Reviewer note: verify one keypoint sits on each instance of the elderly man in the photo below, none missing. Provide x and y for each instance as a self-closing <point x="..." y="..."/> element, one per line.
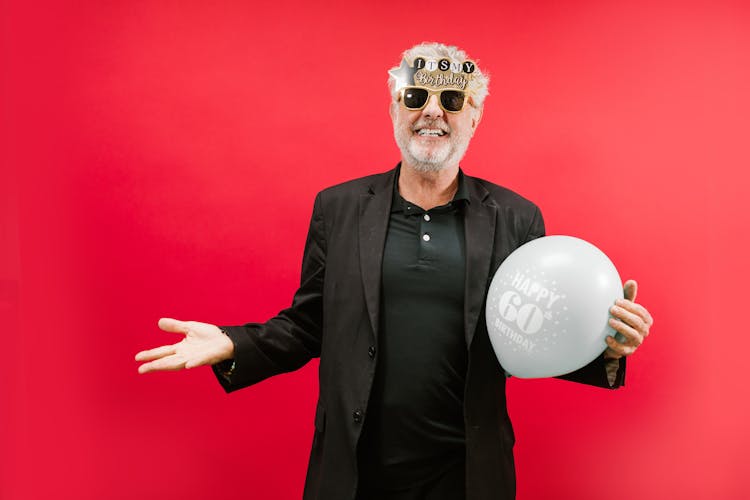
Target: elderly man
<point x="394" y="277"/>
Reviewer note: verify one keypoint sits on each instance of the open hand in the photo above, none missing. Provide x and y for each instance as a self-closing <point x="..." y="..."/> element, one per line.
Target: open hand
<point x="203" y="344"/>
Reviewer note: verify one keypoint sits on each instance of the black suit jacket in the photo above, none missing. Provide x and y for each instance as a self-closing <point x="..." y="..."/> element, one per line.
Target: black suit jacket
<point x="334" y="315"/>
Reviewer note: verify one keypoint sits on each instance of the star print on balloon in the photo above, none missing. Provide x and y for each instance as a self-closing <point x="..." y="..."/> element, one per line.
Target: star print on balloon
<point x="435" y="74"/>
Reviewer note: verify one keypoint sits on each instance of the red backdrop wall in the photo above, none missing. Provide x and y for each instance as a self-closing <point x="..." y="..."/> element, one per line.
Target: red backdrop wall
<point x="161" y="158"/>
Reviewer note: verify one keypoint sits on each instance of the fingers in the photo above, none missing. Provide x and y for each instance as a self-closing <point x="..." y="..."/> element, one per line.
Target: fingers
<point x="631" y="321"/>
<point x="625" y="308"/>
<point x="203" y="344"/>
<point x="631" y="331"/>
<point x="632" y="338"/>
<point x="173" y="360"/>
<point x="617" y="350"/>
<point x="173" y="325"/>
<point x="632" y="315"/>
<point x="630" y="290"/>
<point x="196" y="362"/>
<point x="168" y="363"/>
<point x="164" y="357"/>
<point x="156" y="353"/>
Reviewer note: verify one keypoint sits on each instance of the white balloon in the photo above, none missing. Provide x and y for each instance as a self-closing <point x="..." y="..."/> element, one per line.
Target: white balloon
<point x="548" y="306"/>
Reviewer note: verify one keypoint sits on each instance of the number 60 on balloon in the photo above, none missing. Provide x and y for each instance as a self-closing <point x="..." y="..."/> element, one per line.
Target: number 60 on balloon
<point x="548" y="306"/>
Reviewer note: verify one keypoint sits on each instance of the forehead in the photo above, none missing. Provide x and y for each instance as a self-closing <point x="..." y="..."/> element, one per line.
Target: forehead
<point x="434" y="73"/>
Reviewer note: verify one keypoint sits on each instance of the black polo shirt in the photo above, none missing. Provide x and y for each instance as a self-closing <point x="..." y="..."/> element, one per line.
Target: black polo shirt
<point x="414" y="429"/>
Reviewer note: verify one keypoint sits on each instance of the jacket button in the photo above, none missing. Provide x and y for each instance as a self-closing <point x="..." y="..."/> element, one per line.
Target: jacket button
<point x="371" y="351"/>
<point x="357" y="416"/>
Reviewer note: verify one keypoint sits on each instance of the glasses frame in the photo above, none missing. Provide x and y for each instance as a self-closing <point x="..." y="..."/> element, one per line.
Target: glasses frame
<point x="430" y="93"/>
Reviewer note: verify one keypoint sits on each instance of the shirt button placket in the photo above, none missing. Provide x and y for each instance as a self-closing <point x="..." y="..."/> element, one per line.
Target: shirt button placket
<point x="426" y="236"/>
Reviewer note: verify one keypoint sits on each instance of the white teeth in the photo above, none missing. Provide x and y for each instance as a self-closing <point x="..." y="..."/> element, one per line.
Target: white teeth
<point x="432" y="132"/>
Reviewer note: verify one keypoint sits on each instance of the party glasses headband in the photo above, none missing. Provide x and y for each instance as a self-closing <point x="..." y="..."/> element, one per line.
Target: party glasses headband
<point x="450" y="100"/>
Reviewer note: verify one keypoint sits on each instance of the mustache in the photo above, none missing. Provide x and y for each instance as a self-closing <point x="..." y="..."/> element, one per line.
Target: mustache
<point x="438" y="124"/>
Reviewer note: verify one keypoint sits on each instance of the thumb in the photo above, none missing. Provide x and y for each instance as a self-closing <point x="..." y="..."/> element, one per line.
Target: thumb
<point x="630" y="290"/>
<point x="173" y="325"/>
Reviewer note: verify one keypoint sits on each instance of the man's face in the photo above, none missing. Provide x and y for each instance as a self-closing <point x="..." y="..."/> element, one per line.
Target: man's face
<point x="431" y="138"/>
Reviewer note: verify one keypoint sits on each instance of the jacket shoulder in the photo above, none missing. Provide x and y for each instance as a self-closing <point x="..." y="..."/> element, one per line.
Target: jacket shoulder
<point x="503" y="196"/>
<point x="339" y="199"/>
<point x="359" y="186"/>
<point x="521" y="217"/>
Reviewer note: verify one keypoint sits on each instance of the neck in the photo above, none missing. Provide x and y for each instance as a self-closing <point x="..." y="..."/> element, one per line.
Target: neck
<point x="428" y="189"/>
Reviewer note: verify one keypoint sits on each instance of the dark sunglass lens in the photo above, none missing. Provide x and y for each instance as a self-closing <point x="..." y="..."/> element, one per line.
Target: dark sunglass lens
<point x="415" y="98"/>
<point x="452" y="100"/>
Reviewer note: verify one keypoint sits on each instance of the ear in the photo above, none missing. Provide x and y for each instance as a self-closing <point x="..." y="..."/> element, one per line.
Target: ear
<point x="392" y="109"/>
<point x="476" y="118"/>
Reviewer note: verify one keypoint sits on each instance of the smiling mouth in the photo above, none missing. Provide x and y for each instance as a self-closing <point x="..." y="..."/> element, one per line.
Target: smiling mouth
<point x="430" y="132"/>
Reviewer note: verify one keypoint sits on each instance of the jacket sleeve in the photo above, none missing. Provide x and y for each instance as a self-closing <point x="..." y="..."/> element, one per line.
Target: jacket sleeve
<point x="291" y="338"/>
<point x="536" y="228"/>
<point x="607" y="373"/>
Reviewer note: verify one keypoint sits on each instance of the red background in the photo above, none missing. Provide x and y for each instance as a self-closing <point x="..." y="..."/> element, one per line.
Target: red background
<point x="161" y="158"/>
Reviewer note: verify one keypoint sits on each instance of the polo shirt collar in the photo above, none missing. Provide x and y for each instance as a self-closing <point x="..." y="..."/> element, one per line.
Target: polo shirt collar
<point x="460" y="199"/>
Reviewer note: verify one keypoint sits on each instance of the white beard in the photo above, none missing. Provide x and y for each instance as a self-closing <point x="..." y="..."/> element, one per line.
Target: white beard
<point x="429" y="158"/>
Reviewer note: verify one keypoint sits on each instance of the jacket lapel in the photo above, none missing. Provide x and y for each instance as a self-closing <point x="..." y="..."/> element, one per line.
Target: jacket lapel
<point x="479" y="228"/>
<point x="374" y="212"/>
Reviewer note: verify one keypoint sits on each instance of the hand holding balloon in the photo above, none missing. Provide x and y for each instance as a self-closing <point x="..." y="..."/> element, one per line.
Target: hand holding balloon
<point x="631" y="321"/>
<point x="549" y="305"/>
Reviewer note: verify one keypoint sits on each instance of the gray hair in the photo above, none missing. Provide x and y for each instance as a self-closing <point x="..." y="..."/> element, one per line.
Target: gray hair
<point x="479" y="85"/>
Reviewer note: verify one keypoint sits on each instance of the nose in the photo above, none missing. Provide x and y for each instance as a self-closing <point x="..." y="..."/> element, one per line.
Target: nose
<point x="432" y="109"/>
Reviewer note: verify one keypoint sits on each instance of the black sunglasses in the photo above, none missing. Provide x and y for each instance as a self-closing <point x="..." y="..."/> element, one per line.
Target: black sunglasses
<point x="415" y="98"/>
